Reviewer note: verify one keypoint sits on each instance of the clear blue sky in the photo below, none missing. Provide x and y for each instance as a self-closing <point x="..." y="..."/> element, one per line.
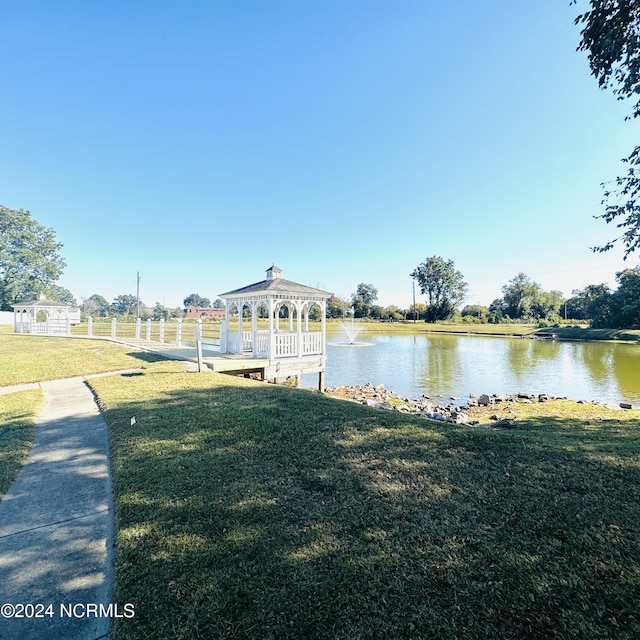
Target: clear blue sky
<point x="344" y="140"/>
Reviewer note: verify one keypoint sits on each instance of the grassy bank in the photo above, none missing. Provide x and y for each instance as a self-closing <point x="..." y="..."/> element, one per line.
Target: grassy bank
<point x="252" y="511"/>
<point x="39" y="358"/>
<point x="516" y="329"/>
<point x="424" y="327"/>
<point x="18" y="412"/>
<point x="580" y="333"/>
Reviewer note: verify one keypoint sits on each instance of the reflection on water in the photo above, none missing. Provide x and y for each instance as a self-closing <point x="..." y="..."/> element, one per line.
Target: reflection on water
<point x="441" y="366"/>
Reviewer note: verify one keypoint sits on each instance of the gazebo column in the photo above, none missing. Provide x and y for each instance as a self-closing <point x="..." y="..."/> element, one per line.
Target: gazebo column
<point x="271" y="351"/>
<point x="323" y="327"/>
<point x="254" y="328"/>
<point x="240" y="314"/>
<point x="299" y="323"/>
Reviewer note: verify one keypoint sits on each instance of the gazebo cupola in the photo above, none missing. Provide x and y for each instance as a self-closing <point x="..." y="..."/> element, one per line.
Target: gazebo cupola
<point x="274" y="272"/>
<point x="270" y="319"/>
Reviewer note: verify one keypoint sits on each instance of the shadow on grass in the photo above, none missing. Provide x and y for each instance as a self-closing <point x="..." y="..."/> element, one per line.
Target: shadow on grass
<point x="260" y="512"/>
<point x="146" y="356"/>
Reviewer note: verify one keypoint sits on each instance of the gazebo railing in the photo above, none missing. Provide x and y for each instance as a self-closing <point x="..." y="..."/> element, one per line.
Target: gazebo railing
<point x="261" y="347"/>
<point x="312" y="343"/>
<point x="285" y="344"/>
<point x="48" y="327"/>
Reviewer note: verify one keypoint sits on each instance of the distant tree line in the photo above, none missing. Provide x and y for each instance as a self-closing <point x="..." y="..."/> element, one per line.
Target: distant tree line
<point x="30" y="264"/>
<point x="523" y="300"/>
<point x="127" y="306"/>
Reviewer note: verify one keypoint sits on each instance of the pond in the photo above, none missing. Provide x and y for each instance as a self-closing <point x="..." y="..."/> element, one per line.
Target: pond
<point x="441" y="366"/>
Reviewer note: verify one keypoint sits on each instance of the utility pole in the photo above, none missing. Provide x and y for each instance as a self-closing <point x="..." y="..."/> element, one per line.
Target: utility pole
<point x="138" y="295"/>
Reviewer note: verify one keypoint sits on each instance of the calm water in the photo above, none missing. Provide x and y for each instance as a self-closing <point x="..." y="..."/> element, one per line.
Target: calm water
<point x="441" y="366"/>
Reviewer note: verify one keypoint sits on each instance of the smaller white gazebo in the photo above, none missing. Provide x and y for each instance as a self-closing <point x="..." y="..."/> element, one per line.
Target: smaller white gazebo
<point x="43" y="316"/>
<point x="287" y="342"/>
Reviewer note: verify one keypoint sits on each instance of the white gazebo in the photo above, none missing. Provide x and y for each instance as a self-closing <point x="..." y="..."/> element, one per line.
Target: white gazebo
<point x="44" y="317"/>
<point x="287" y="343"/>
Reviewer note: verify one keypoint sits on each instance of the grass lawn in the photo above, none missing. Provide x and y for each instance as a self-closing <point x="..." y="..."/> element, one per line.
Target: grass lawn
<point x="18" y="412"/>
<point x="37" y="358"/>
<point x="246" y="510"/>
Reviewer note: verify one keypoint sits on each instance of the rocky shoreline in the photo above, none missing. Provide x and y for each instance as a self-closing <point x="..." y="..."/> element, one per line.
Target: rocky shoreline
<point x="381" y="398"/>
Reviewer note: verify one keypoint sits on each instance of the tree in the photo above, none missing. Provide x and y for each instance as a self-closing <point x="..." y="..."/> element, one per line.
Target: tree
<point x="497" y="311"/>
<point x="594" y="303"/>
<point x="336" y="307"/>
<point x="60" y="294"/>
<point x="393" y="313"/>
<point x="443" y="285"/>
<point x="611" y="37"/>
<point x="126" y="305"/>
<point x="376" y="311"/>
<point x="363" y="299"/>
<point x="30" y="262"/>
<point x="521" y="295"/>
<point x="160" y="312"/>
<point x="197" y="301"/>
<point x="575" y="307"/>
<point x="416" y="311"/>
<point x="95" y="305"/>
<point x="548" y="305"/>
<point x="475" y="312"/>
<point x="626" y="299"/>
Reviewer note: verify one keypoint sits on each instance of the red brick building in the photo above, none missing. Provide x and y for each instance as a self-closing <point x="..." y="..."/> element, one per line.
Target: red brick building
<point x="193" y="311"/>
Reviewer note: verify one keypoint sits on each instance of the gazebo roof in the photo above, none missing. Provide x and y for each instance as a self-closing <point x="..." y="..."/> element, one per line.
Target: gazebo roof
<point x="277" y="285"/>
<point x="42" y="302"/>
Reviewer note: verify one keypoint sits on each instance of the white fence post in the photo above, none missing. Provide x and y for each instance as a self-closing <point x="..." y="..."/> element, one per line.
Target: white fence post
<point x="197" y="336"/>
<point x="179" y="332"/>
<point x="90" y="326"/>
<point x="161" y="329"/>
<point x="137" y="328"/>
<point x="223" y="337"/>
<point x="113" y="327"/>
<point x="148" y="328"/>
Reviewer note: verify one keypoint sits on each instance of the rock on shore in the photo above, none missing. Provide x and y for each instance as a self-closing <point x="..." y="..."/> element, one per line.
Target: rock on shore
<point x="380" y="397"/>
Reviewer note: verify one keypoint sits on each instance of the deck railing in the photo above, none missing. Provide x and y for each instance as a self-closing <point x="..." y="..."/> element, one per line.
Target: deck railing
<point x="286" y="344"/>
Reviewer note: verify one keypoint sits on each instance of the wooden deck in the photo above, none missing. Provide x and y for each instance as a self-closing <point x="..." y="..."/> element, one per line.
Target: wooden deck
<point x="237" y="364"/>
<point x="230" y="363"/>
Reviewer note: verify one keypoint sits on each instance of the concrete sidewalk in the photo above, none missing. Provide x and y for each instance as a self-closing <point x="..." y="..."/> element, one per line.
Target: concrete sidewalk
<point x="56" y="525"/>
